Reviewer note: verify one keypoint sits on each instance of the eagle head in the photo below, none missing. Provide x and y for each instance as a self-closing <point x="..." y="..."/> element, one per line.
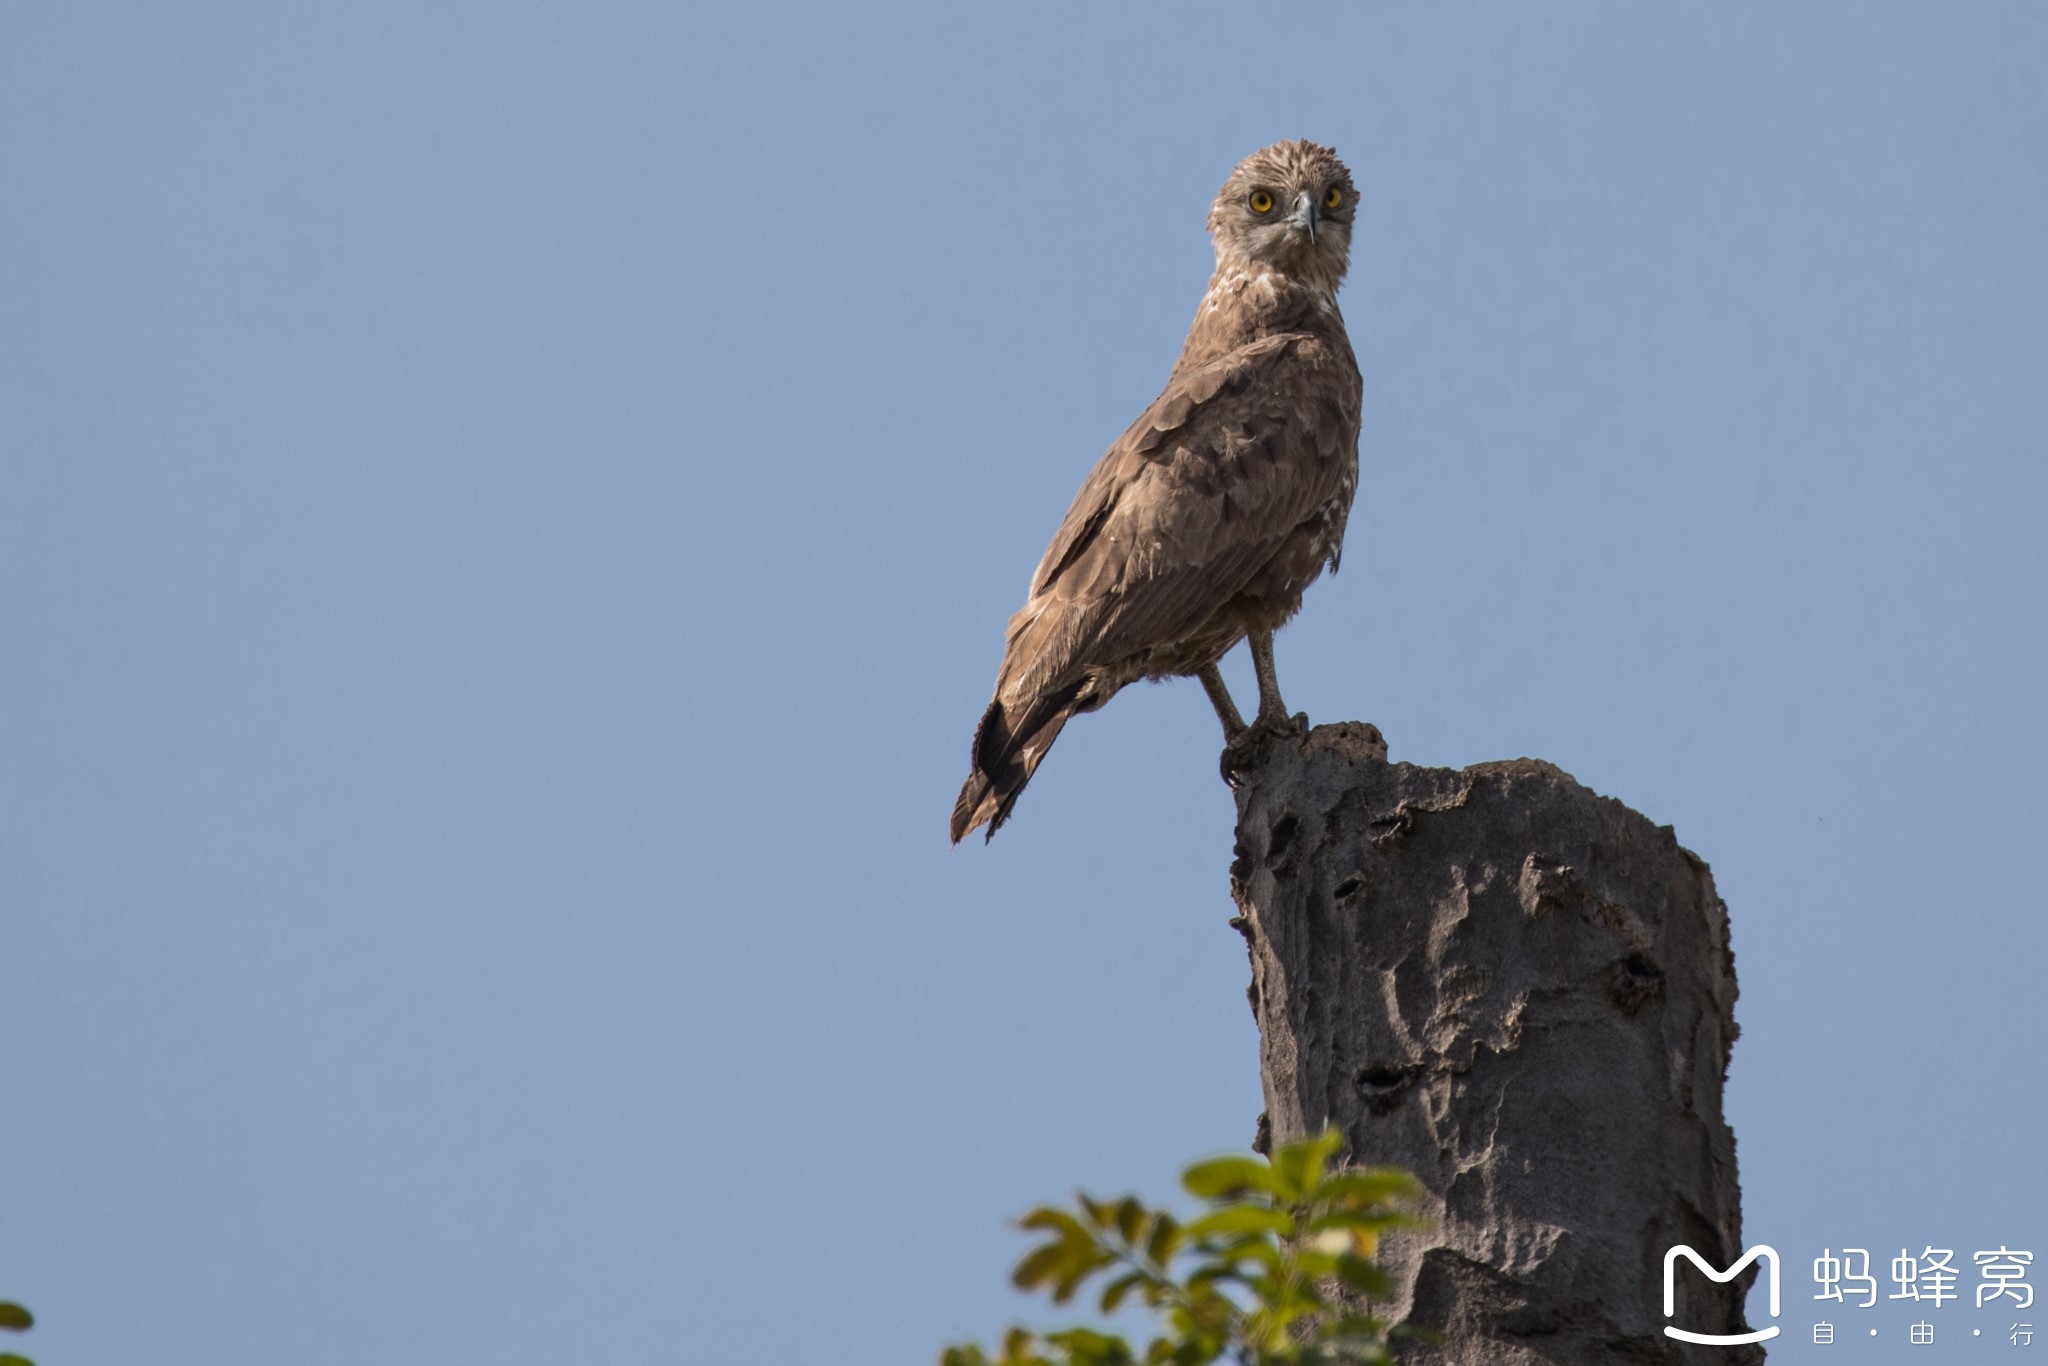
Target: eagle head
<point x="1287" y="207"/>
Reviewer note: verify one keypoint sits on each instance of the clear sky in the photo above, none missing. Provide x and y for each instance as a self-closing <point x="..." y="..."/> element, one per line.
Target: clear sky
<point x="507" y="514"/>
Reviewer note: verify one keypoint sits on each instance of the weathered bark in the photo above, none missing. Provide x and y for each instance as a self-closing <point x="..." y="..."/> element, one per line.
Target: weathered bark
<point x="1523" y="993"/>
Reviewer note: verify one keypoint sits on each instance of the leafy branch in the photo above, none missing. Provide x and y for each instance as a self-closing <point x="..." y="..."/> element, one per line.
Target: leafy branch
<point x="1260" y="1278"/>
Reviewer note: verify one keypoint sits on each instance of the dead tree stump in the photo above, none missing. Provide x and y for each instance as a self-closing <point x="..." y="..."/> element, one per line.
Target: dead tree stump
<point x="1523" y="993"/>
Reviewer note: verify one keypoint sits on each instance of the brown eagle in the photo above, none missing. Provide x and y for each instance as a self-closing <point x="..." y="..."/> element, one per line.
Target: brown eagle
<point x="1208" y="518"/>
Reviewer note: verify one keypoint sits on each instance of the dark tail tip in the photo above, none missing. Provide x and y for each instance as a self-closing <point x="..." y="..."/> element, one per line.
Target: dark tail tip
<point x="979" y="800"/>
<point x="1006" y="755"/>
<point x="965" y="806"/>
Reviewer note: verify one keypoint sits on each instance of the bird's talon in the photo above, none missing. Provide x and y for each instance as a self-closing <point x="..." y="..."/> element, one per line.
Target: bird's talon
<point x="1244" y="750"/>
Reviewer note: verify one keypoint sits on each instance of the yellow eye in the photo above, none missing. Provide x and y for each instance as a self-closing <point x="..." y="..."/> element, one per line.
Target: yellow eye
<point x="1334" y="199"/>
<point x="1261" y="202"/>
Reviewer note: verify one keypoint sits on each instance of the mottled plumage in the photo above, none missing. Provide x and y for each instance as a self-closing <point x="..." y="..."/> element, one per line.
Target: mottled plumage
<point x="1208" y="518"/>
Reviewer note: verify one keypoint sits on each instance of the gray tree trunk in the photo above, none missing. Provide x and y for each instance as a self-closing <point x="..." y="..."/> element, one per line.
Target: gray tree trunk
<point x="1523" y="993"/>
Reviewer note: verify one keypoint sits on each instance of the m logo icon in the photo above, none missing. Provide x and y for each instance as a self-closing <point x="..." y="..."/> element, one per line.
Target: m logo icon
<point x="1770" y="1257"/>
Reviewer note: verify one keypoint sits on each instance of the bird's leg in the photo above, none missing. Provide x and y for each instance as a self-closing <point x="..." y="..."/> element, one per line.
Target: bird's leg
<point x="1242" y="747"/>
<point x="1272" y="711"/>
<point x="1219" y="698"/>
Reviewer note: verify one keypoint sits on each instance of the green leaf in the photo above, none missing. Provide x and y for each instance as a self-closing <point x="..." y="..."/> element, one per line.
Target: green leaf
<point x="1369" y="1186"/>
<point x="1238" y="1219"/>
<point x="1099" y="1214"/>
<point x="13" y="1316"/>
<point x="1248" y="1247"/>
<point x="1361" y="1275"/>
<point x="1298" y="1166"/>
<point x="1113" y="1294"/>
<point x="1039" y="1266"/>
<point x="1130" y="1218"/>
<point x="1082" y="1263"/>
<point x="1087" y="1345"/>
<point x="1354" y="1326"/>
<point x="1227" y="1178"/>
<point x="1355" y="1221"/>
<point x="10" y="1359"/>
<point x="1203" y="1280"/>
<point x="1058" y="1221"/>
<point x="1165" y="1239"/>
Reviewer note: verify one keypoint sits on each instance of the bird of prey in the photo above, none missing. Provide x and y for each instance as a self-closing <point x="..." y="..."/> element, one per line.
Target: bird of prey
<point x="1211" y="515"/>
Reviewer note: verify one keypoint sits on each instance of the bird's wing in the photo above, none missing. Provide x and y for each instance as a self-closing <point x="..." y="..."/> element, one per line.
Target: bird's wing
<point x="1192" y="500"/>
<point x="1124" y="463"/>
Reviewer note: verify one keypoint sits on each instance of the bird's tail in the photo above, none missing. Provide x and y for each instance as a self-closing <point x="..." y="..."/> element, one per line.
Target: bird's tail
<point x="1006" y="753"/>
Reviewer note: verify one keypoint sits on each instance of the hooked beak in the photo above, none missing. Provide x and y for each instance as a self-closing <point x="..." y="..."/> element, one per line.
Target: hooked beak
<point x="1304" y="215"/>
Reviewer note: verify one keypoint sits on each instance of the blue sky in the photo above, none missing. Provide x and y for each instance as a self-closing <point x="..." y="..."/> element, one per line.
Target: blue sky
<point x="506" y="519"/>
